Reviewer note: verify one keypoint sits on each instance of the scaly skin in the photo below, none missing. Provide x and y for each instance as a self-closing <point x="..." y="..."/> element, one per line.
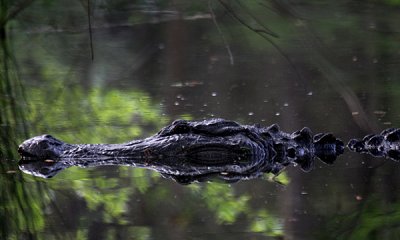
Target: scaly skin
<point x="190" y="151"/>
<point x="386" y="144"/>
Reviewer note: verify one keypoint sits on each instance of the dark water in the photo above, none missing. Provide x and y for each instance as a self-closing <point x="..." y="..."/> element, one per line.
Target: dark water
<point x="334" y="67"/>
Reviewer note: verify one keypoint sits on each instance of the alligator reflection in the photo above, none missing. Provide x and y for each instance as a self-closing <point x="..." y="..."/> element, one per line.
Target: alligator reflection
<point x="188" y="151"/>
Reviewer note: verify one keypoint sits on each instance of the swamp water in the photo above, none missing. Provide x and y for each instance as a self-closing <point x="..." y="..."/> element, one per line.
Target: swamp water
<point x="331" y="66"/>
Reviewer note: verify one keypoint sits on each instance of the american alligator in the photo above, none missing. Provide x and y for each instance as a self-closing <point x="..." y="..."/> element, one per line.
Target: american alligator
<point x="190" y="151"/>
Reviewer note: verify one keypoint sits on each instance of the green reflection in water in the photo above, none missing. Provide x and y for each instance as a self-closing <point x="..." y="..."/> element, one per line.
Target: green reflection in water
<point x="267" y="224"/>
<point x="94" y="116"/>
<point x="13" y="126"/>
<point x="373" y="220"/>
<point x="222" y="201"/>
<point x="21" y="207"/>
<point x="228" y="206"/>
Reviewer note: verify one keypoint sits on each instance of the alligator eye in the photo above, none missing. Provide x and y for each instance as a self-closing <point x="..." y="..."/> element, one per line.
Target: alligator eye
<point x="181" y="129"/>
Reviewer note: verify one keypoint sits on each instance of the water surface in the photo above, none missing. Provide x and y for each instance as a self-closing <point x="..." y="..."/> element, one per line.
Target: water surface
<point x="332" y="66"/>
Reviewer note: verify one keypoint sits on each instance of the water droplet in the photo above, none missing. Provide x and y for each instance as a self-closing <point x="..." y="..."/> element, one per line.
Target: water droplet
<point x="251" y="113"/>
<point x="176" y="104"/>
<point x="277" y="114"/>
<point x="378" y="112"/>
<point x="177" y="85"/>
<point x="310" y="93"/>
<point x="355" y="58"/>
<point x="372" y="25"/>
<point x="214" y="94"/>
<point x="286" y="104"/>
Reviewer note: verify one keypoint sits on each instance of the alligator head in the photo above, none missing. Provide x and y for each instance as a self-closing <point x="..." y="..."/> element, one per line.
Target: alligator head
<point x="41" y="147"/>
